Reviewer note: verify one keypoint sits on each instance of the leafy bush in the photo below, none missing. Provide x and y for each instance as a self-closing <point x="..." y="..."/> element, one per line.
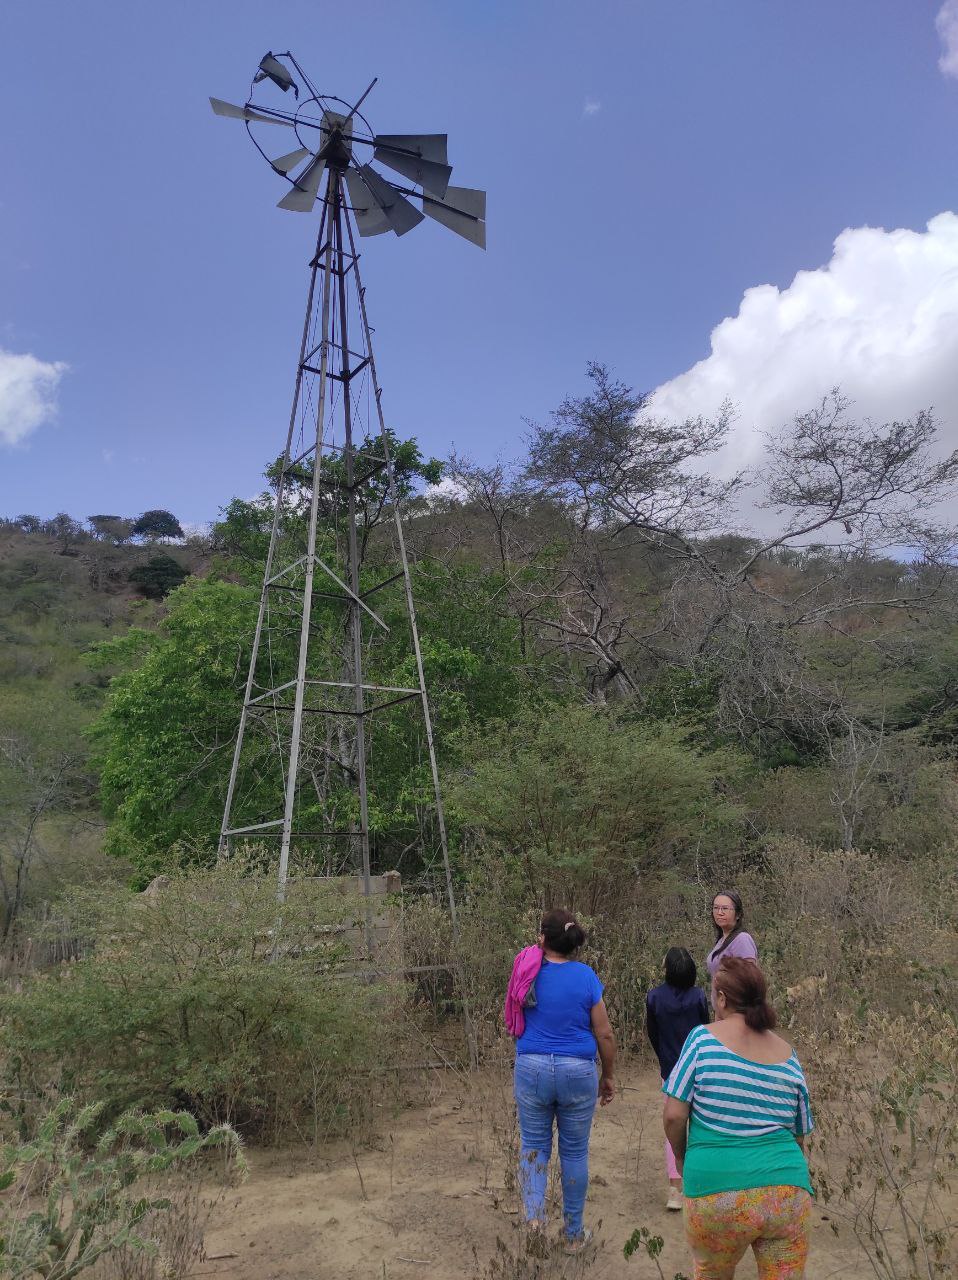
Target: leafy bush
<point x="198" y="995"/>
<point x="73" y="1197"/>
<point x="572" y="804"/>
<point x="158" y="577"/>
<point x="176" y="688"/>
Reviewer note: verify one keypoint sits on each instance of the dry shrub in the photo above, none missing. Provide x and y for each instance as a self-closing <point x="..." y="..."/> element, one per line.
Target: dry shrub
<point x="200" y="997"/>
<point x="872" y="934"/>
<point x="178" y="1232"/>
<point x="477" y="970"/>
<point x="531" y="1256"/>
<point x="884" y="1155"/>
<point x="839" y="930"/>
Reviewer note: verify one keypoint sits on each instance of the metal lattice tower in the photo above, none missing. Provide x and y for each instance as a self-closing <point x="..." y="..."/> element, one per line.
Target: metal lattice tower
<point x="301" y="771"/>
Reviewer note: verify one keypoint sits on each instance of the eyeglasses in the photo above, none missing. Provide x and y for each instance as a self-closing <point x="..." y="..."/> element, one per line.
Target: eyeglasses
<point x="722" y="910"/>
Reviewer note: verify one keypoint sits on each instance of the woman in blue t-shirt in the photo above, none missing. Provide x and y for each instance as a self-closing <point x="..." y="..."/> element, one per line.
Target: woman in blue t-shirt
<point x="556" y="1080"/>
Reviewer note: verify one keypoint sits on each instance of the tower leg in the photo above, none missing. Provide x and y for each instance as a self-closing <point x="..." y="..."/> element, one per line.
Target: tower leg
<point x="271" y="553"/>
<point x="299" y="697"/>
<point x="355" y="616"/>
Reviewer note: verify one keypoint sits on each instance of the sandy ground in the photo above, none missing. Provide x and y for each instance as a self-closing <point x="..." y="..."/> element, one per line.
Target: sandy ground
<point x="433" y="1198"/>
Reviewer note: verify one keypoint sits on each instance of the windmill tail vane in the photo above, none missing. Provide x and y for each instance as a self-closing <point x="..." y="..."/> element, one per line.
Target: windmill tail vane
<point x="333" y="135"/>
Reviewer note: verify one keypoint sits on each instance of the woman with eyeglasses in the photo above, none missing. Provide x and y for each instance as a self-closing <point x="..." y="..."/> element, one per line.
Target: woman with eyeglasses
<point x="731" y="939"/>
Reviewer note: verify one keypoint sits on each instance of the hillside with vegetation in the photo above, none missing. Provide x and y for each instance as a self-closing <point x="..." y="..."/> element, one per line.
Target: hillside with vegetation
<point x="65" y="587"/>
<point x="808" y="679"/>
<point x="635" y="704"/>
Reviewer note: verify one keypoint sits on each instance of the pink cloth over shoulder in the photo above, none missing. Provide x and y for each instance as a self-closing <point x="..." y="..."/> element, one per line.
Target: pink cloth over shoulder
<point x="524" y="969"/>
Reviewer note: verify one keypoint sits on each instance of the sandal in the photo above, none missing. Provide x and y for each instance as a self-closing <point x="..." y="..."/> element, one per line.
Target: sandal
<point x="580" y="1242"/>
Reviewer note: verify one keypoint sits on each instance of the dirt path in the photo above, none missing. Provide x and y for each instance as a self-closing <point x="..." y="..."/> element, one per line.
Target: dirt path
<point x="432" y="1197"/>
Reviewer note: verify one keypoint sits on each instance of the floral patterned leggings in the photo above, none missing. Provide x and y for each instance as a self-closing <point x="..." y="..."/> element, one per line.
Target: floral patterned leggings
<point x="773" y="1220"/>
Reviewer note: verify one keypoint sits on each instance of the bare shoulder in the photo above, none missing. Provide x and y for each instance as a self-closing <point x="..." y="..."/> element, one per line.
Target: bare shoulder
<point x="777" y="1044"/>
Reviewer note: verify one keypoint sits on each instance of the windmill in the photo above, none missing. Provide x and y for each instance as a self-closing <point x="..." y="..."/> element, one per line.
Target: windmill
<point x="320" y="614"/>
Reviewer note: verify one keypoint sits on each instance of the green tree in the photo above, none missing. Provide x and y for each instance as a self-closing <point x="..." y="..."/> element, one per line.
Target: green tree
<point x="66" y="530"/>
<point x="243" y="532"/>
<point x="157" y="524"/>
<point x="115" y="529"/>
<point x="43" y="770"/>
<point x="166" y="734"/>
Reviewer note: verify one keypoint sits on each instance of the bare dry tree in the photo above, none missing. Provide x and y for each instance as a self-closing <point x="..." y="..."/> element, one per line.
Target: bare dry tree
<point x="855" y="751"/>
<point x="640" y="565"/>
<point x="33" y="783"/>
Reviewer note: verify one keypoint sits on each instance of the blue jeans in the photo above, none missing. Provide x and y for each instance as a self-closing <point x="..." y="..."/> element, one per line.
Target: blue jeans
<point x="551" y="1087"/>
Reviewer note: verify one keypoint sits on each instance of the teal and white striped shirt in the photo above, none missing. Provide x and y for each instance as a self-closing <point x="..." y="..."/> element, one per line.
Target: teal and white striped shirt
<point x="735" y="1096"/>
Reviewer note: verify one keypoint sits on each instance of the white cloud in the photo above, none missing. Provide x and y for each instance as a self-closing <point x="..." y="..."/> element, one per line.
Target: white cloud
<point x="28" y="391"/>
<point x="947" y="24"/>
<point x="591" y="107"/>
<point x="879" y="320"/>
<point x="446" y="488"/>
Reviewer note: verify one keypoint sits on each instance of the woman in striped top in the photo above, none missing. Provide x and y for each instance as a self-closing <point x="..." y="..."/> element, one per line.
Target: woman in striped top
<point x="736" y="1115"/>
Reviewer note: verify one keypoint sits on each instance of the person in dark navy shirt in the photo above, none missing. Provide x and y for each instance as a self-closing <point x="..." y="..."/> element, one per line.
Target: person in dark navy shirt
<point x="672" y="1010"/>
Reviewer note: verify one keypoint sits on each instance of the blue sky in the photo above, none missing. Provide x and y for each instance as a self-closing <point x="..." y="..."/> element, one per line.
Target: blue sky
<point x="726" y="145"/>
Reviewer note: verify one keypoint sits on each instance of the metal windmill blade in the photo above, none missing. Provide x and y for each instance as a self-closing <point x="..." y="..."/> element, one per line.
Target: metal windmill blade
<point x="463" y="210"/>
<point x="286" y="164"/>
<point x="395" y="208"/>
<point x="370" y="219"/>
<point x="302" y="196"/>
<point x="430" y="146"/>
<point x="416" y="157"/>
<point x="228" y="109"/>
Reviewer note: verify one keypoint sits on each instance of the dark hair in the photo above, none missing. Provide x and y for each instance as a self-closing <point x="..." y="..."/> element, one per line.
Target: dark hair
<point x="743" y="985"/>
<point x="739" y="917"/>
<point x="680" y="968"/>
<point x="562" y="931"/>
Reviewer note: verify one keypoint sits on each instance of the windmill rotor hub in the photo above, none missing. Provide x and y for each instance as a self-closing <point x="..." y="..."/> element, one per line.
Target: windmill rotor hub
<point x="336" y="151"/>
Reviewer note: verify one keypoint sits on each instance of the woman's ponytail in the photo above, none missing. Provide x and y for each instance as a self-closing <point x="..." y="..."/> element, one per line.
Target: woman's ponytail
<point x="746" y="992"/>
<point x="562" y="932"/>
